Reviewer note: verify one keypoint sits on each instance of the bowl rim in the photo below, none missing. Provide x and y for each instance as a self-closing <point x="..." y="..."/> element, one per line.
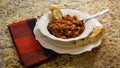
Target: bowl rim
<point x="60" y="39"/>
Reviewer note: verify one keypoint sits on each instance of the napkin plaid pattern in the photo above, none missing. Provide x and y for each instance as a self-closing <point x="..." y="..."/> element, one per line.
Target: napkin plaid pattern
<point x="30" y="50"/>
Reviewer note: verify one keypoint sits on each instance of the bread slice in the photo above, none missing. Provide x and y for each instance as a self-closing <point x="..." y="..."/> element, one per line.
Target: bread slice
<point x="94" y="36"/>
<point x="56" y="12"/>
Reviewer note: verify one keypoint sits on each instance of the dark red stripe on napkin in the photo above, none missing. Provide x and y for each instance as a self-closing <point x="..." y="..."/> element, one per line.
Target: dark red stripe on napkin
<point x="29" y="49"/>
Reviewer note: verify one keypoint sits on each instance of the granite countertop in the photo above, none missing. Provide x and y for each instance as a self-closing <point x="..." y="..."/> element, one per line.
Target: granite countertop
<point x="107" y="55"/>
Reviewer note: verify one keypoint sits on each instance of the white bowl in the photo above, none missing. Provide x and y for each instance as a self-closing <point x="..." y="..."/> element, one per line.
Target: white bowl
<point x="46" y="18"/>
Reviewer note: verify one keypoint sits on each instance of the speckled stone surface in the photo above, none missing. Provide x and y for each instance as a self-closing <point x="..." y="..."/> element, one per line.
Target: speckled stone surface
<point x="107" y="55"/>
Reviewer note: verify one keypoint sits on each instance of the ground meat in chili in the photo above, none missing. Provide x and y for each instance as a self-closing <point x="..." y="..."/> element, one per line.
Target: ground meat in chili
<point x="66" y="27"/>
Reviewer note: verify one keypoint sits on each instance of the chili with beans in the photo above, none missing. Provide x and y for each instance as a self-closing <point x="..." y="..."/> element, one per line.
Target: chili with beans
<point x="66" y="27"/>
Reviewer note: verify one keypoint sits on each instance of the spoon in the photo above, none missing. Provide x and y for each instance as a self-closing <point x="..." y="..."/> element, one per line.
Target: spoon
<point x="97" y="14"/>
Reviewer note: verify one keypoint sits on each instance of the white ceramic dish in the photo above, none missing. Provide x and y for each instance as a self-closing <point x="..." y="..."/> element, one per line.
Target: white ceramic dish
<point x="45" y="19"/>
<point x="65" y="47"/>
<point x="62" y="48"/>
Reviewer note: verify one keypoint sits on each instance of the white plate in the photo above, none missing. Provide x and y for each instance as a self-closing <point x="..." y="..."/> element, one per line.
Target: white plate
<point x="65" y="48"/>
<point x="49" y="44"/>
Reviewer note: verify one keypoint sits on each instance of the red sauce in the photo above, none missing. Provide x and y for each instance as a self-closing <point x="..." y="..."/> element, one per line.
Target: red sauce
<point x="66" y="27"/>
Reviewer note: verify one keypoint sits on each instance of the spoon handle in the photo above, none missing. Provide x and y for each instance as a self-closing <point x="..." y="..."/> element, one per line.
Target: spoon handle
<point x="97" y="14"/>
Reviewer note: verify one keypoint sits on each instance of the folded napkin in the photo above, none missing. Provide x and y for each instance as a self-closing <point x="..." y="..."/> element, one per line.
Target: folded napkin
<point x="29" y="49"/>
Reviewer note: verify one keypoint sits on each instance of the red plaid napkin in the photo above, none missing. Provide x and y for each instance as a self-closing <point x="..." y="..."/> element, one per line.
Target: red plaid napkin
<point x="30" y="51"/>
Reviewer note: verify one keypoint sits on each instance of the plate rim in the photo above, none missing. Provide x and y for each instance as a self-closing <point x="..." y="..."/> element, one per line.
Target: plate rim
<point x="62" y="50"/>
